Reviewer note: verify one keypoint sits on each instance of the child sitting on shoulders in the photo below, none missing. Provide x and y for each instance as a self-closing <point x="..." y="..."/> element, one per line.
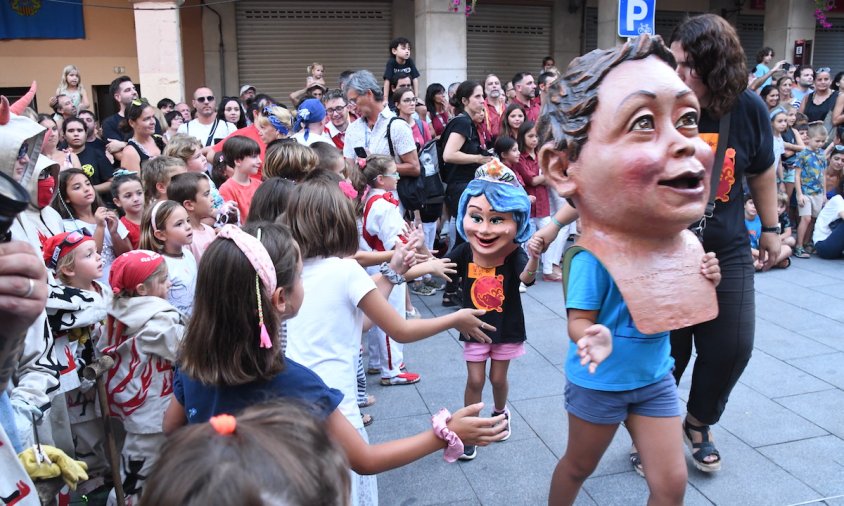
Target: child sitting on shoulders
<point x="193" y="191"/>
<point x="400" y="64"/>
<point x="143" y="336"/>
<point x="76" y="312"/>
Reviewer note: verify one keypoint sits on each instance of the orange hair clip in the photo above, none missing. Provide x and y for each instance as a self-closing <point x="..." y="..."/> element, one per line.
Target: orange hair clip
<point x="224" y="424"/>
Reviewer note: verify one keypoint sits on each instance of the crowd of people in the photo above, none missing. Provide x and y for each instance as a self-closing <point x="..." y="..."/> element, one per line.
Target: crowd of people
<point x="240" y="250"/>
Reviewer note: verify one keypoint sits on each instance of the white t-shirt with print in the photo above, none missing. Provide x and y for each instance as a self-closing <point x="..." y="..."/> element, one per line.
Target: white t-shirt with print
<point x="196" y="129"/>
<point x="325" y="335"/>
<point x="182" y="274"/>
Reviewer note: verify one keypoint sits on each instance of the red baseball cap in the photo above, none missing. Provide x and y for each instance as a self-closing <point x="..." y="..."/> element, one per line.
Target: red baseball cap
<point x="132" y="268"/>
<point x="56" y="247"/>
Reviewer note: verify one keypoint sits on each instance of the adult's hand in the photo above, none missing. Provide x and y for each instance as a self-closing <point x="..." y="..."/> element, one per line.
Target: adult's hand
<point x="769" y="249"/>
<point x="23" y="287"/>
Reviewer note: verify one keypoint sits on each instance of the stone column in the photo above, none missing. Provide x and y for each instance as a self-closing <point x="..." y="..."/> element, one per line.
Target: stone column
<point x="785" y="22"/>
<point x="440" y="50"/>
<point x="159" y="43"/>
<point x="608" y="24"/>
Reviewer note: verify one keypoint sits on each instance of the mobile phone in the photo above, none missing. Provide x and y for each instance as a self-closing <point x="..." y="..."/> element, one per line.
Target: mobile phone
<point x="786" y="66"/>
<point x="360" y="152"/>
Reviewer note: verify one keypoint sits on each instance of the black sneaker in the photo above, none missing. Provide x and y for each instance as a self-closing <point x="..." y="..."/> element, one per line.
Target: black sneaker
<point x="469" y="452"/>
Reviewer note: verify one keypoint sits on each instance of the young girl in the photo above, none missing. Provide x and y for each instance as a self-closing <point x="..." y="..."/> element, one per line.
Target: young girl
<point x="507" y="151"/>
<point x="315" y="74"/>
<point x="540" y="209"/>
<point x="493" y="216"/>
<point x="128" y="195"/>
<point x="382" y="229"/>
<point x="143" y="335"/>
<point x="322" y="220"/>
<point x="793" y="144"/>
<point x="166" y="229"/>
<point x="511" y="120"/>
<point x="76" y="312"/>
<point x="268" y="446"/>
<point x="81" y="209"/>
<point x="193" y="191"/>
<point x="71" y="85"/>
<point x="229" y="358"/>
<point x="779" y="125"/>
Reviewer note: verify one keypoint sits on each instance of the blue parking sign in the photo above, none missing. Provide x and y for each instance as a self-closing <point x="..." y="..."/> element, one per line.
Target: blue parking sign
<point x="636" y="17"/>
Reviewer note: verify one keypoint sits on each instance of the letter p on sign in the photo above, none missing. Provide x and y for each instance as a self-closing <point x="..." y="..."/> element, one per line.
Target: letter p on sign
<point x="635" y="17"/>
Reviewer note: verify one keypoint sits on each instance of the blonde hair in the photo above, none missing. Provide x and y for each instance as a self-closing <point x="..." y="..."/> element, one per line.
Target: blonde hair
<point x="817" y="129"/>
<point x="156" y="171"/>
<point x="310" y="68"/>
<point x="162" y="214"/>
<point x="284" y="116"/>
<point x="63" y="263"/>
<point x="288" y="159"/>
<point x="63" y="84"/>
<point x="182" y="146"/>
<point x="377" y="165"/>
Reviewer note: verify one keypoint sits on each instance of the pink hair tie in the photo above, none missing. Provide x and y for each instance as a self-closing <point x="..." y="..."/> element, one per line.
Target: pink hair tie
<point x="260" y="260"/>
<point x="225" y="425"/>
<point x="348" y="189"/>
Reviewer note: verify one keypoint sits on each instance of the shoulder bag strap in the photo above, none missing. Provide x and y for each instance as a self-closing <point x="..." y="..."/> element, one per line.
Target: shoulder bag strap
<point x="211" y="134"/>
<point x="715" y="178"/>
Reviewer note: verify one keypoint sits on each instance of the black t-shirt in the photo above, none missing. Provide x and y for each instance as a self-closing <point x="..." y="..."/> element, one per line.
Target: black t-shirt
<point x="95" y="165"/>
<point x="494" y="290"/>
<point x="818" y="112"/>
<point x="463" y="125"/>
<point x="111" y="128"/>
<point x="749" y="152"/>
<point x="395" y="69"/>
<point x="97" y="144"/>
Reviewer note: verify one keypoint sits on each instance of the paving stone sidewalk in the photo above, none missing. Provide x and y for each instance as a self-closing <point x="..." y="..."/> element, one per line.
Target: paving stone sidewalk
<point x="781" y="437"/>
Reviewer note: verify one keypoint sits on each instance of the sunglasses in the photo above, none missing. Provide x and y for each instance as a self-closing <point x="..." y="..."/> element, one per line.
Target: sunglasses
<point x="22" y="152"/>
<point x="71" y="239"/>
<point x="825" y="69"/>
<point x="839" y="148"/>
<point x="203" y="100"/>
<point x="137" y="102"/>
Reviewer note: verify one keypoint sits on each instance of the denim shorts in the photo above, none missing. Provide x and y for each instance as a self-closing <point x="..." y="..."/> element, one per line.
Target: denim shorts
<point x="657" y="400"/>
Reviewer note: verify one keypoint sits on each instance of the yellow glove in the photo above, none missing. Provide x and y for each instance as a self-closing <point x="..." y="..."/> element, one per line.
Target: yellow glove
<point x="72" y="471"/>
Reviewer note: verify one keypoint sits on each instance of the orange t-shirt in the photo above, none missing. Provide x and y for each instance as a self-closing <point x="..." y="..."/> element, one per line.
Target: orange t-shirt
<point x="240" y="194"/>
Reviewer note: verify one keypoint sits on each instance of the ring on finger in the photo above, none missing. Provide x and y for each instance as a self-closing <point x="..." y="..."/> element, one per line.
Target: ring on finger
<point x="31" y="288"/>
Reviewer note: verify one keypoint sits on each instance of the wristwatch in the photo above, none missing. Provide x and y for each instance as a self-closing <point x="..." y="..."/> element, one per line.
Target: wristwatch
<point x="772" y="230"/>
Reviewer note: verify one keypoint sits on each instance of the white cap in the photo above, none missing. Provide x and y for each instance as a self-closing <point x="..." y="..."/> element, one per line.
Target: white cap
<point x="245" y="88"/>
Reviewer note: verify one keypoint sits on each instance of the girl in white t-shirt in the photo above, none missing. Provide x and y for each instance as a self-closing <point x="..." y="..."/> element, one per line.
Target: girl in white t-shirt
<point x="325" y="336"/>
<point x="81" y="209"/>
<point x="166" y="230"/>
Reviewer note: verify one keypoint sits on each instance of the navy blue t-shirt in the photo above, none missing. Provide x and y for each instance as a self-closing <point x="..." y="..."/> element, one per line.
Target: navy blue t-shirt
<point x="296" y="381"/>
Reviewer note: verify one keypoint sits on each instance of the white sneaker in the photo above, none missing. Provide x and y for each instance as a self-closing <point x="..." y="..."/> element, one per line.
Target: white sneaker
<point x="522" y="287"/>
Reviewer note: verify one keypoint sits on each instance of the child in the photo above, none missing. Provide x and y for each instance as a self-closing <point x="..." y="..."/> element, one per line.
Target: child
<point x="242" y="153"/>
<point x="753" y="224"/>
<point x="809" y="186"/>
<point x="322" y="220"/>
<point x="268" y="446"/>
<point x="793" y="144"/>
<point x="143" y="335"/>
<point x="511" y="120"/>
<point x="506" y="149"/>
<point x="71" y="85"/>
<point x="315" y="72"/>
<point x="167" y="230"/>
<point x="779" y="125"/>
<point x="835" y="172"/>
<point x="290" y="160"/>
<point x="270" y="200"/>
<point x="540" y="209"/>
<point x="128" y="195"/>
<point x="493" y="216"/>
<point x="382" y="229"/>
<point x="329" y="157"/>
<point x="156" y="174"/>
<point x="76" y="312"/>
<point x="400" y="64"/>
<point x="786" y="236"/>
<point x="229" y="359"/>
<point x="79" y="205"/>
<point x="193" y="191"/>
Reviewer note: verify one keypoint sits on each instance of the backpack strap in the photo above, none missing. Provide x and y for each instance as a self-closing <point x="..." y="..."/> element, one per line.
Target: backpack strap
<point x="566" y="267"/>
<point x="390" y="136"/>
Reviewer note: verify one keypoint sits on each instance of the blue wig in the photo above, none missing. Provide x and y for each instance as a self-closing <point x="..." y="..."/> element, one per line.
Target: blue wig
<point x="503" y="198"/>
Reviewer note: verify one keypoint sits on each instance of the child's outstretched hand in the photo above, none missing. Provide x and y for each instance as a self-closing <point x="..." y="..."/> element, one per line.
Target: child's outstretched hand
<point x="473" y="430"/>
<point x="469" y="324"/>
<point x="535" y="246"/>
<point x="442" y="267"/>
<point x="595" y="346"/>
<point x="710" y="269"/>
<point x="402" y="259"/>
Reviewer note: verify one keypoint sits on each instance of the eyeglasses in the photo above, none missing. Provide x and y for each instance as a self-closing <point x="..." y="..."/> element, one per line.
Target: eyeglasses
<point x="409" y="100"/>
<point x="23" y="151"/>
<point x="202" y="100"/>
<point x="394" y="175"/>
<point x="72" y="238"/>
<point x="336" y="110"/>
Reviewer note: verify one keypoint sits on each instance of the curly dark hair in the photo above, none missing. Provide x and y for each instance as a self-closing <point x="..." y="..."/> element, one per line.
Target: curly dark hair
<point x="572" y="98"/>
<point x="714" y="51"/>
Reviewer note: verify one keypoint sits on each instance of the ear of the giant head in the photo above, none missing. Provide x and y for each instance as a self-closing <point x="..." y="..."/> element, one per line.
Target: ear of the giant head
<point x="555" y="165"/>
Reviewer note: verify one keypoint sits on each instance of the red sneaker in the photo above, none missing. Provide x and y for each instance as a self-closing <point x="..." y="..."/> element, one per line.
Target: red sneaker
<point x="405" y="378"/>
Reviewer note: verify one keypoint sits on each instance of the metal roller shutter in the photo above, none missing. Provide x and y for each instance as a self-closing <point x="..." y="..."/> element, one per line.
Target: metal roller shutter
<point x="506" y="39"/>
<point x="829" y="47"/>
<point x="277" y="40"/>
<point x="751" y="32"/>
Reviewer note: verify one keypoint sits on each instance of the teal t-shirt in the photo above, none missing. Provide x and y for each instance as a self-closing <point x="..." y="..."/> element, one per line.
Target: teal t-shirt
<point x="637" y="359"/>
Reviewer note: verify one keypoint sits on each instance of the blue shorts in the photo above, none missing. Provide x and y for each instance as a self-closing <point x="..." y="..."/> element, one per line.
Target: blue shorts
<point x="658" y="400"/>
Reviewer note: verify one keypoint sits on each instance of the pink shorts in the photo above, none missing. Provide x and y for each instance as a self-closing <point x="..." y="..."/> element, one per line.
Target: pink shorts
<point x="479" y="352"/>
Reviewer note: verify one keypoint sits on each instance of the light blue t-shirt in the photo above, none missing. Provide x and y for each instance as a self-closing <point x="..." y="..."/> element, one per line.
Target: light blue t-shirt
<point x="637" y="359"/>
<point x="754" y="230"/>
